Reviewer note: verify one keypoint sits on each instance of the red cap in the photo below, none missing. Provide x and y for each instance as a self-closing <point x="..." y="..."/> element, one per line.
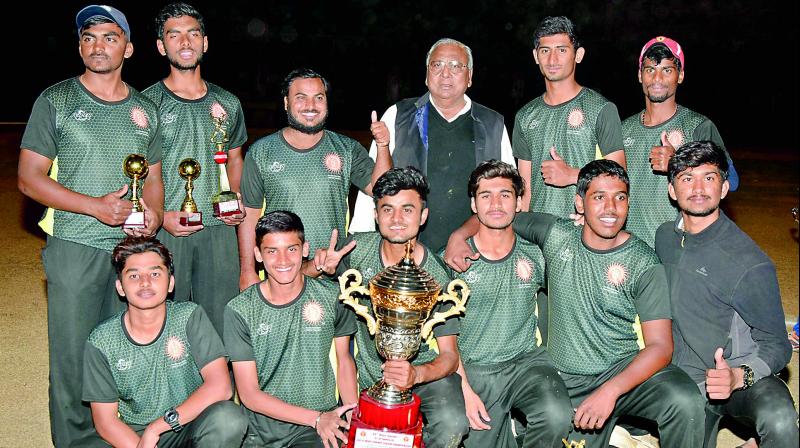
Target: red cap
<point x="673" y="46"/>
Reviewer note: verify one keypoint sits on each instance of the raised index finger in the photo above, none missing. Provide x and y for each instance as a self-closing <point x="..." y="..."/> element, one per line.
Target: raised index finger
<point x="334" y="239"/>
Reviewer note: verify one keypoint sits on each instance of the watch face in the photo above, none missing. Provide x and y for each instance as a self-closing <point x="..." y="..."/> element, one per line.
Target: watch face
<point x="171" y="416"/>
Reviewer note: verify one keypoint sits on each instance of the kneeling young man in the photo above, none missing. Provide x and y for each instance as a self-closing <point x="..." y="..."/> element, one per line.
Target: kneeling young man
<point x="600" y="280"/>
<point x="502" y="367"/>
<point x="279" y="334"/>
<point x="156" y="373"/>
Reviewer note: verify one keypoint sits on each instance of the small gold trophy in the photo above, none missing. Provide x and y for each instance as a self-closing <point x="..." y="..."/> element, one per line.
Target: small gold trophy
<point x="225" y="203"/>
<point x="135" y="166"/>
<point x="189" y="170"/>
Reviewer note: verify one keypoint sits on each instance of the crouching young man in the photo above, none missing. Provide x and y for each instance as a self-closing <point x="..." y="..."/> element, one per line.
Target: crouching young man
<point x="156" y="373"/>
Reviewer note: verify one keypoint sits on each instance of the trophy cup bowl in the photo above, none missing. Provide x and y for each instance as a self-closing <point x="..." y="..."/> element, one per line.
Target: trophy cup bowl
<point x="402" y="298"/>
<point x="135" y="166"/>
<point x="189" y="170"/>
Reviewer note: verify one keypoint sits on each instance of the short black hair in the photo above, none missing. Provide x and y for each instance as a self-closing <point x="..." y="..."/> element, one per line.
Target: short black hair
<point x="301" y="73"/>
<point x="556" y="25"/>
<point x="489" y="169"/>
<point x="398" y="179"/>
<point x="597" y="168"/>
<point x="279" y="221"/>
<point x="659" y="51"/>
<point x="133" y="245"/>
<point x="694" y="154"/>
<point x="174" y="10"/>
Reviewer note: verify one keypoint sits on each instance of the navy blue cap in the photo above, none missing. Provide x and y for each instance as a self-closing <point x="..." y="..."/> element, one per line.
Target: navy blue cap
<point x="113" y="14"/>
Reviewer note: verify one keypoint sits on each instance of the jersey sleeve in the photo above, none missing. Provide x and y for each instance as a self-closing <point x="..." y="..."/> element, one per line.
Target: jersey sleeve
<point x="237" y="337"/>
<point x="707" y="130"/>
<point x="99" y="385"/>
<point x="609" y="130"/>
<point x="361" y="173"/>
<point x="533" y="226"/>
<point x="519" y="144"/>
<point x="652" y="294"/>
<point x="345" y="322"/>
<point x="40" y="132"/>
<point x="203" y="338"/>
<point x="239" y="130"/>
<point x="252" y="187"/>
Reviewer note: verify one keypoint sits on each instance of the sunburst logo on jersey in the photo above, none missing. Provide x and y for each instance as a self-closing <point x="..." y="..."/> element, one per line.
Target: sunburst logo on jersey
<point x="175" y="348"/>
<point x="524" y="269"/>
<point x="616" y="274"/>
<point x="139" y="117"/>
<point x="333" y="163"/>
<point x="675" y="137"/>
<point x="575" y="118"/>
<point x="218" y="112"/>
<point x="313" y="312"/>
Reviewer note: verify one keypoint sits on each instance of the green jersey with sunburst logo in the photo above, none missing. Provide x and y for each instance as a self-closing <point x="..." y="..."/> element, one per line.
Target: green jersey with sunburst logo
<point x="148" y="379"/>
<point x="186" y="128"/>
<point x="313" y="183"/>
<point x="580" y="130"/>
<point x="595" y="296"/>
<point x="500" y="321"/>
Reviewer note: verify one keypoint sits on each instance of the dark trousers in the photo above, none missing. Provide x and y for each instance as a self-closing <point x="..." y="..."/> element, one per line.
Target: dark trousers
<point x="81" y="293"/>
<point x="766" y="407"/>
<point x="669" y="398"/>
<point x="443" y="410"/>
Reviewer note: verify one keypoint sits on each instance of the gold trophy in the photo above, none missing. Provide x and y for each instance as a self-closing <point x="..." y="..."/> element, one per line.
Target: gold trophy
<point x="225" y="203"/>
<point x="189" y="170"/>
<point x="402" y="298"/>
<point x="135" y="166"/>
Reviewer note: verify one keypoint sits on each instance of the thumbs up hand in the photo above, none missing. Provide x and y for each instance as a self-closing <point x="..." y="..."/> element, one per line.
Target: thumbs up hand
<point x="660" y="155"/>
<point x="556" y="172"/>
<point x="722" y="380"/>
<point x="380" y="133"/>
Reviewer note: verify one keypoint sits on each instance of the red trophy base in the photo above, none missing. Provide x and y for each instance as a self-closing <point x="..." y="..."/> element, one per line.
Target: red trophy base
<point x="226" y="203"/>
<point x="192" y="219"/>
<point x="378" y="425"/>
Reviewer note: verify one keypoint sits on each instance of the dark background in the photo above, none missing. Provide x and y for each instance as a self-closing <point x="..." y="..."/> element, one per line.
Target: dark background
<point x="741" y="56"/>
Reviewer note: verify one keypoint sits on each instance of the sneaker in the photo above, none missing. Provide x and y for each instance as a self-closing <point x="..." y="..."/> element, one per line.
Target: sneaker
<point x="621" y="438"/>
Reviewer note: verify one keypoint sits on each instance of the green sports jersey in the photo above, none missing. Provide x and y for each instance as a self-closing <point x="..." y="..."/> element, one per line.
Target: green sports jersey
<point x="290" y="343"/>
<point x="366" y="257"/>
<point x="186" y="128"/>
<point x="650" y="204"/>
<point x="500" y="321"/>
<point x="594" y="296"/>
<point x="582" y="129"/>
<point x="147" y="379"/>
<point x="90" y="138"/>
<point x="312" y="183"/>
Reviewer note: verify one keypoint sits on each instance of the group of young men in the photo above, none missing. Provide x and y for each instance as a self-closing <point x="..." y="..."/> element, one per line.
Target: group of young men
<point x="572" y="323"/>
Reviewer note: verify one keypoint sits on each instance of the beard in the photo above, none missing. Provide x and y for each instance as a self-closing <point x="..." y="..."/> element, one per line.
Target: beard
<point x="185" y="66"/>
<point x="294" y="123"/>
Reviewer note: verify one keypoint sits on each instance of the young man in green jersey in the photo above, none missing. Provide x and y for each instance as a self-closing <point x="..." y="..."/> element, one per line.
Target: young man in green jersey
<point x="651" y="136"/>
<point x="306" y="169"/>
<point x="156" y="374"/>
<point x="501" y="366"/>
<point x="79" y="133"/>
<point x="206" y="254"/>
<point x="400" y="196"/>
<point x="279" y="334"/>
<point x="605" y="287"/>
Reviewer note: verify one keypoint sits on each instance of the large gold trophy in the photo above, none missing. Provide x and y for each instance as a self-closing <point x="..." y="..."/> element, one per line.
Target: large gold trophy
<point x="189" y="170"/>
<point x="135" y="166"/>
<point x="402" y="298"/>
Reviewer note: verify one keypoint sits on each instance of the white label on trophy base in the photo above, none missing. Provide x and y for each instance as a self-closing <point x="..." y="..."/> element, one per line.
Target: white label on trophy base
<point x="370" y="438"/>
<point x="192" y="219"/>
<point x="135" y="221"/>
<point x="228" y="206"/>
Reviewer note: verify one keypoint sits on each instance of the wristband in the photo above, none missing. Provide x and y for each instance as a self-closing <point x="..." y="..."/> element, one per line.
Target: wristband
<point x="316" y="421"/>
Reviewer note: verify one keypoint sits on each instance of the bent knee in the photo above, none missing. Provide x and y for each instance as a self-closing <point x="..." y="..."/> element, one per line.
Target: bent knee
<point x="778" y="423"/>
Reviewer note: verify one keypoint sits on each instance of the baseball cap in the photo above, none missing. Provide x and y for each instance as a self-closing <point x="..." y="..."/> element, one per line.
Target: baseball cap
<point x="113" y="14"/>
<point x="673" y="46"/>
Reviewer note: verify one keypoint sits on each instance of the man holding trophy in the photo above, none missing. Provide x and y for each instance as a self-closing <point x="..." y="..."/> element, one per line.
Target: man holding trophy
<point x="71" y="160"/>
<point x="194" y="112"/>
<point x="400" y="196"/>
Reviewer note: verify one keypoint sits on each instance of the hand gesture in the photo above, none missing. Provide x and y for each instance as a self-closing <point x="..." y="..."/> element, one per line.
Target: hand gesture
<point x="556" y="172"/>
<point x="380" y="133"/>
<point x="329" y="423"/>
<point x="172" y="224"/>
<point x="458" y="255"/>
<point x="326" y="260"/>
<point x="476" y="411"/>
<point x="235" y="220"/>
<point x="720" y="381"/>
<point x="660" y="155"/>
<point x="595" y="409"/>
<point x="150" y="223"/>
<point x="399" y="373"/>
<point x="111" y="209"/>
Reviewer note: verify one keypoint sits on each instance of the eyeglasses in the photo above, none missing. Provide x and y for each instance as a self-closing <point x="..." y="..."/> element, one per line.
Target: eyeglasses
<point x="455" y="67"/>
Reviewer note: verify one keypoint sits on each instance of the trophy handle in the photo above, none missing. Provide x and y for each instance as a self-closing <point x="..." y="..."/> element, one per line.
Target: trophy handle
<point x="348" y="297"/>
<point x="457" y="308"/>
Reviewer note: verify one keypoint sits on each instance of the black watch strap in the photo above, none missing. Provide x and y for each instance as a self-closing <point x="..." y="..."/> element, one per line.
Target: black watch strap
<point x="748" y="379"/>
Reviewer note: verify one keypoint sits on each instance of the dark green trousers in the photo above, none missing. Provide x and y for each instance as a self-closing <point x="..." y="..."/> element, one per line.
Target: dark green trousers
<point x="443" y="410"/>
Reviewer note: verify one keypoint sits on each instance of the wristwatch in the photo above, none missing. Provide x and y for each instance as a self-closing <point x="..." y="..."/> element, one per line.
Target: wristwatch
<point x="172" y="418"/>
<point x="747" y="378"/>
